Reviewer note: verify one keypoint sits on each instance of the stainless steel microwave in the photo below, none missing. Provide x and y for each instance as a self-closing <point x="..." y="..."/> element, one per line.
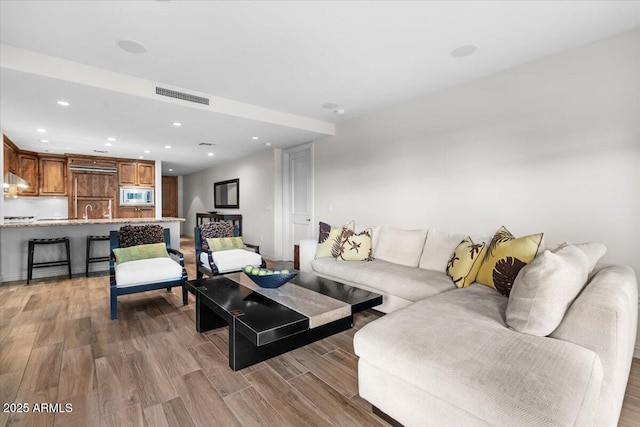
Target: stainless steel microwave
<point x="135" y="196"/>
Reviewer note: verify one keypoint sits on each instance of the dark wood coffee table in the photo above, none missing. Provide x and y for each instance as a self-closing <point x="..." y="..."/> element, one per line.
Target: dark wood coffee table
<point x="264" y="323"/>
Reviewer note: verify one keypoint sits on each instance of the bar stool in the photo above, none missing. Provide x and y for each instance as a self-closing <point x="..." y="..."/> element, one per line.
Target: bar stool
<point x="32" y="247"/>
<point x="90" y="240"/>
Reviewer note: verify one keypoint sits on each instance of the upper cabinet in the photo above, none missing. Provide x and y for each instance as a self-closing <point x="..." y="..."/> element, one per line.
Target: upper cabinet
<point x="52" y="171"/>
<point x="28" y="170"/>
<point x="131" y="173"/>
<point x="10" y="156"/>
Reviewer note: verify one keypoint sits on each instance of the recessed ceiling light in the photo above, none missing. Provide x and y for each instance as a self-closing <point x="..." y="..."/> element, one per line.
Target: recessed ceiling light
<point x="210" y="154"/>
<point x="108" y="144"/>
<point x="330" y="105"/>
<point x="177" y="124"/>
<point x="63" y="103"/>
<point x="339" y="111"/>
<point x="40" y="130"/>
<point x="147" y="151"/>
<point x="170" y="170"/>
<point x="44" y="140"/>
<point x="141" y="157"/>
<point x="254" y="137"/>
<point x="268" y="144"/>
<point x="464" y="50"/>
<point x="167" y="146"/>
<point x="112" y="139"/>
<point x="131" y="46"/>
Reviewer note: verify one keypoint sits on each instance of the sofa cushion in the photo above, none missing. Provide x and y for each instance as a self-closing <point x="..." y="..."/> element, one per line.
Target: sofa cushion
<point x="456" y="346"/>
<point x="438" y="249"/>
<point x="145" y="271"/>
<point x="409" y="283"/>
<point x="465" y="261"/>
<point x="402" y="247"/>
<point x="504" y="258"/>
<point x="134" y="253"/>
<point x="329" y="239"/>
<point x="544" y="289"/>
<point x="355" y="247"/>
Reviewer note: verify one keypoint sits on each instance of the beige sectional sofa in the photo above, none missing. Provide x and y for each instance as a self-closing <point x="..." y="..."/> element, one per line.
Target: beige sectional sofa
<point x="444" y="356"/>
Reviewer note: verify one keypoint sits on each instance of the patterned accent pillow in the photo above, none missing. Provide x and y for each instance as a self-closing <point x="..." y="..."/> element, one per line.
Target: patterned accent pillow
<point x="134" y="253"/>
<point x="218" y="244"/>
<point x="355" y="247"/>
<point x="330" y="238"/>
<point x="134" y="235"/>
<point x="465" y="262"/>
<point x="504" y="258"/>
<point x="215" y="229"/>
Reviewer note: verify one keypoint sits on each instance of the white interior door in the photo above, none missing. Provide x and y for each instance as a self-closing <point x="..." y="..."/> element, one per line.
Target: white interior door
<point x="299" y="203"/>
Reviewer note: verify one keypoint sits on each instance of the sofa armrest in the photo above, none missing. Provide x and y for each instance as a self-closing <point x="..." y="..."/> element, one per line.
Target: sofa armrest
<point x="308" y="249"/>
<point x="603" y="318"/>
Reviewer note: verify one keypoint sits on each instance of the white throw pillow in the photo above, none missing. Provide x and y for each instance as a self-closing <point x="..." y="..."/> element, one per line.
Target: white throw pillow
<point x="593" y="250"/>
<point x="402" y="247"/>
<point x="545" y="288"/>
<point x="438" y="249"/>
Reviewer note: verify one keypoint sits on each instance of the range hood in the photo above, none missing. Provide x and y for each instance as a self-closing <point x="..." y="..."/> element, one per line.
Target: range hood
<point x="11" y="184"/>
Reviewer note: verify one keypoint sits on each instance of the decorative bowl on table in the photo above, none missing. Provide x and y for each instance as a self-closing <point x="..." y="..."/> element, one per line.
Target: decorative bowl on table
<point x="266" y="278"/>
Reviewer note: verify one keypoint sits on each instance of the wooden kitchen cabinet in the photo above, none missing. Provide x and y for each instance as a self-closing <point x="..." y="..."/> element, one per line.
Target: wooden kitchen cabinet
<point x="136" y="174"/>
<point x="131" y="212"/>
<point x="10" y="156"/>
<point x="28" y="170"/>
<point x="52" y="175"/>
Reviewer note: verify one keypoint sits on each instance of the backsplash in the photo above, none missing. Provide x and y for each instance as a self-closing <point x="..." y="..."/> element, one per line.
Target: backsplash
<point x="40" y="207"/>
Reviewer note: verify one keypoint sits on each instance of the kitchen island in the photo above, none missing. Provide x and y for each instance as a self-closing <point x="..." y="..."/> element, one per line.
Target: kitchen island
<point x="14" y="238"/>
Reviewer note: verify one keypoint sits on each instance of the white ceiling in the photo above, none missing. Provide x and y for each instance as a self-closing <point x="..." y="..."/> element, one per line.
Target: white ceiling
<point x="283" y="60"/>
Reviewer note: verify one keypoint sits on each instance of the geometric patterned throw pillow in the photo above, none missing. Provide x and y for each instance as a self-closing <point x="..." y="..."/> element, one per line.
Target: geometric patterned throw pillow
<point x="505" y="257"/>
<point x="465" y="262"/>
<point x="215" y="229"/>
<point x="355" y="247"/>
<point x="134" y="235"/>
<point x="330" y="239"/>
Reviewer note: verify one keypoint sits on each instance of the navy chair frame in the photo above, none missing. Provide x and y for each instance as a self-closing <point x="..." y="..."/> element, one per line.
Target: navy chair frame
<point x="115" y="291"/>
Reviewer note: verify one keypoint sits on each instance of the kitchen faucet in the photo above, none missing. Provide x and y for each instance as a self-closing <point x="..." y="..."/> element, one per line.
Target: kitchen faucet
<point x="108" y="215"/>
<point x="86" y="215"/>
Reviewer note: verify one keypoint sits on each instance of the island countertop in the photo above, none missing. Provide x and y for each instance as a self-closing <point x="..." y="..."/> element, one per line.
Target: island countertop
<point x="14" y="239"/>
<point x="59" y="222"/>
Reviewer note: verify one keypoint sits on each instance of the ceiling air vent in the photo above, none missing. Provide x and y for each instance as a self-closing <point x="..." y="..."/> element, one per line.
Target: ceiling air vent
<point x="181" y="95"/>
<point x="206" y="144"/>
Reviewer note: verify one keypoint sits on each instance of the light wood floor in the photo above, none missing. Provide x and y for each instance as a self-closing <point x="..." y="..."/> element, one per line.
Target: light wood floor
<point x="150" y="368"/>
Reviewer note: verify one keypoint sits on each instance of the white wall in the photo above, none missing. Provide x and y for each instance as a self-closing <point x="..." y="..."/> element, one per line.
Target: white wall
<point x="551" y="146"/>
<point x="40" y="207"/>
<point x="257" y="194"/>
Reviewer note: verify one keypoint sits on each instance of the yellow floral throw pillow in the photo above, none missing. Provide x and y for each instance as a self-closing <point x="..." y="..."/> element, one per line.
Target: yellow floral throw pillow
<point x="355" y="247"/>
<point x="504" y="258"/>
<point x="465" y="262"/>
<point x="330" y="238"/>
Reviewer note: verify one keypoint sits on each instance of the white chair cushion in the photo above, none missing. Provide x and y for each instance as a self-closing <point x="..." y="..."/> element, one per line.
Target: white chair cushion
<point x="232" y="260"/>
<point x="145" y="271"/>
